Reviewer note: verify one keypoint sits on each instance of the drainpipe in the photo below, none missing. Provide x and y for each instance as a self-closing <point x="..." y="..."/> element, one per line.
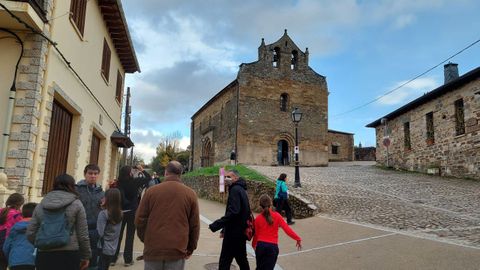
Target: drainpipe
<point x="11" y="105"/>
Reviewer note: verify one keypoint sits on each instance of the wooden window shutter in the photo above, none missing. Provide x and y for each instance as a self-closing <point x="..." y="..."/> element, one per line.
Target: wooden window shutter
<point x="106" y="60"/>
<point x="78" y="10"/>
<point x="119" y="90"/>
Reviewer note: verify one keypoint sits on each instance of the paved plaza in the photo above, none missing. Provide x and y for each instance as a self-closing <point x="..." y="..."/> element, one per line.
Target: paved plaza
<point x="329" y="243"/>
<point x="444" y="209"/>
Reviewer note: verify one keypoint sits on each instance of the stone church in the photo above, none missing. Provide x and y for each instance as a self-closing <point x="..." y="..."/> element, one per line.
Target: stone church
<point x="252" y="114"/>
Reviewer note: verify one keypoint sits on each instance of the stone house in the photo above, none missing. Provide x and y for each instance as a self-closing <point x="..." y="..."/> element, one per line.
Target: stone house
<point x="438" y="132"/>
<point x="340" y="146"/>
<point x="252" y="114"/>
<point x="65" y="108"/>
<point x="364" y="153"/>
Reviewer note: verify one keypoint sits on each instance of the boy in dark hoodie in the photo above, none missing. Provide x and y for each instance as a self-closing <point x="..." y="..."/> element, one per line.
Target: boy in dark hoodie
<point x="17" y="249"/>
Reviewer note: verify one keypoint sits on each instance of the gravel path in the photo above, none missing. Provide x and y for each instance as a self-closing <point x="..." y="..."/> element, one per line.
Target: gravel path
<point x="434" y="206"/>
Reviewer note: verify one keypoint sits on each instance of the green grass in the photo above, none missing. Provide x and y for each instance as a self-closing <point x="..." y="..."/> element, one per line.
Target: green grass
<point x="245" y="172"/>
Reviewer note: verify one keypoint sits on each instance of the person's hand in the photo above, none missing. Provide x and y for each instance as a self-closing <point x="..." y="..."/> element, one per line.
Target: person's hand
<point x="84" y="264"/>
<point x="188" y="255"/>
<point x="299" y="244"/>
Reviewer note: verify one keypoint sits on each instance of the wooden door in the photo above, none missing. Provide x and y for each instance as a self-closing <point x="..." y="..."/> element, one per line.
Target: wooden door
<point x="94" y="149"/>
<point x="58" y="145"/>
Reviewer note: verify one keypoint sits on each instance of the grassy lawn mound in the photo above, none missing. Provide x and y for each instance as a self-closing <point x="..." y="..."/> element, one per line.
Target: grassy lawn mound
<point x="247" y="173"/>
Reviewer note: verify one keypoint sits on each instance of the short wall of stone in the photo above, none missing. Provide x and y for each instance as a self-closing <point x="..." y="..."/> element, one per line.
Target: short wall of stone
<point x="206" y="187"/>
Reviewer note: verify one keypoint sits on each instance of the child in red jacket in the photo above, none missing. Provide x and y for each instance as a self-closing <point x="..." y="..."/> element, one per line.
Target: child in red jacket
<point x="265" y="240"/>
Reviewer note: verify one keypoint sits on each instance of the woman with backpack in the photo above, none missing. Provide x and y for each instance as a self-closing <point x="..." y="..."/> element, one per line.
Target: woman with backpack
<point x="131" y="182"/>
<point x="58" y="229"/>
<point x="108" y="226"/>
<point x="281" y="198"/>
<point x="8" y="217"/>
<point x="265" y="239"/>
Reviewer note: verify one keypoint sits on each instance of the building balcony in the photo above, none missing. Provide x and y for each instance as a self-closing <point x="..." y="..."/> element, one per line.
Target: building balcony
<point x="32" y="12"/>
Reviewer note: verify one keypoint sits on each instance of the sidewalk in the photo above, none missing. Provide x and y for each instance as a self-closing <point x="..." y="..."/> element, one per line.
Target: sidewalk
<point x="333" y="244"/>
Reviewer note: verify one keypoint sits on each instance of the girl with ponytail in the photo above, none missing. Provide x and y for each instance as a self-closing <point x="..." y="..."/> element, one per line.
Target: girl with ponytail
<point x="265" y="240"/>
<point x="8" y="217"/>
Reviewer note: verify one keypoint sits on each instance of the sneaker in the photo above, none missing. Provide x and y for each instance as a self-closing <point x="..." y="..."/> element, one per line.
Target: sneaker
<point x="291" y="222"/>
<point x="127" y="264"/>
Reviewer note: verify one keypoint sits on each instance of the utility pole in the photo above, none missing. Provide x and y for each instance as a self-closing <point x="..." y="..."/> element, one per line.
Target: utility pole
<point x="128" y="111"/>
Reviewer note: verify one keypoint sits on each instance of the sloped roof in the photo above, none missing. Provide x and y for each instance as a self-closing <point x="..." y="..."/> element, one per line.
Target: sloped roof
<point x="446" y="88"/>
<point x="114" y="18"/>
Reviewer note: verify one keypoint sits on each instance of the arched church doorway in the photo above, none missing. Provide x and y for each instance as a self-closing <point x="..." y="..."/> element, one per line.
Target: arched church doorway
<point x="207" y="154"/>
<point x="283" y="156"/>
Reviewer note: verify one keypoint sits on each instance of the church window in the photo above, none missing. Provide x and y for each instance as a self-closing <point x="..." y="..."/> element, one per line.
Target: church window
<point x="283" y="102"/>
<point x="459" y="117"/>
<point x="276" y="57"/>
<point x="293" y="64"/>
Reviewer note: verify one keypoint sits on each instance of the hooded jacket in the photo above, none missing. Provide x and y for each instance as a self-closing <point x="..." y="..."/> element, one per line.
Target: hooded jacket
<point x="91" y="198"/>
<point x="17" y="249"/>
<point x="75" y="213"/>
<point x="234" y="221"/>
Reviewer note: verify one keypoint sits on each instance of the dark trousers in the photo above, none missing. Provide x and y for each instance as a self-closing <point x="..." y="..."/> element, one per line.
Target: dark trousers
<point x="93" y="236"/>
<point x="129" y="222"/>
<point x="233" y="248"/>
<point x="23" y="267"/>
<point x="104" y="262"/>
<point x="284" y="205"/>
<point x="58" y="260"/>
<point x="266" y="255"/>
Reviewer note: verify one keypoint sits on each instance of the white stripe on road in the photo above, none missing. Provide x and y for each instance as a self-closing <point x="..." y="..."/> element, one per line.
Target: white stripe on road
<point x="250" y="249"/>
<point x="336" y="245"/>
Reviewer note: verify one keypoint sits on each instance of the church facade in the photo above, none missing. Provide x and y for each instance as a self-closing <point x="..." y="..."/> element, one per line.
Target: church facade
<point x="252" y="115"/>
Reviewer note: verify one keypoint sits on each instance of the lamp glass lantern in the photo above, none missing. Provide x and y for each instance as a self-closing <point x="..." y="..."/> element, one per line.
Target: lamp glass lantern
<point x="297" y="115"/>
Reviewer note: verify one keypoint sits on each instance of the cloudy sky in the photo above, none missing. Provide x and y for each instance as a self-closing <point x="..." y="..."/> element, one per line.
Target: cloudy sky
<point x="190" y="50"/>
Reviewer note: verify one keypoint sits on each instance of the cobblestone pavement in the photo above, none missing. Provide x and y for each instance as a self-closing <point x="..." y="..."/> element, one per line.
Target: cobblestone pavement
<point x="436" y="207"/>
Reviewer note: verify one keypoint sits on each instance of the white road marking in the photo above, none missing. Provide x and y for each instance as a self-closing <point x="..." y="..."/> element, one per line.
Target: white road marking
<point x="415" y="234"/>
<point x="336" y="245"/>
<point x="250" y="249"/>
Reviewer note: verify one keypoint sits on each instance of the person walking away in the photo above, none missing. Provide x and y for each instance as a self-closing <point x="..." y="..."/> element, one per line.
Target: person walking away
<point x="168" y="222"/>
<point x="233" y="157"/>
<point x="8" y="217"/>
<point x="62" y="201"/>
<point x="91" y="195"/>
<point x="109" y="225"/>
<point x="130" y="187"/>
<point x="234" y="223"/>
<point x="281" y="198"/>
<point x="17" y="249"/>
<point x="265" y="239"/>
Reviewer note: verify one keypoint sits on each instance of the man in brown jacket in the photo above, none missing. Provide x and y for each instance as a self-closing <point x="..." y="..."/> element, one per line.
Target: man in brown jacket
<point x="168" y="222"/>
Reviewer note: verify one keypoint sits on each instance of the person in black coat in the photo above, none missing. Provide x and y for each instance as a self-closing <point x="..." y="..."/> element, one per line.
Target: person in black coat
<point x="131" y="182"/>
<point x="233" y="224"/>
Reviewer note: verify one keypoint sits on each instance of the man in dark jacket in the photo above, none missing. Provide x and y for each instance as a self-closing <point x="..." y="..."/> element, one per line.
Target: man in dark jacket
<point x="234" y="223"/>
<point x="91" y="196"/>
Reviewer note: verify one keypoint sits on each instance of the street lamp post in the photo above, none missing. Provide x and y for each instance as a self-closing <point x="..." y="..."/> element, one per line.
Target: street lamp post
<point x="296" y="118"/>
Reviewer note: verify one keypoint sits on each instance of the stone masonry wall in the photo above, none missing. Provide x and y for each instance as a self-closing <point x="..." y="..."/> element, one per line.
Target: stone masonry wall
<point x="344" y="142"/>
<point x="453" y="155"/>
<point x="207" y="188"/>
<point x="218" y="123"/>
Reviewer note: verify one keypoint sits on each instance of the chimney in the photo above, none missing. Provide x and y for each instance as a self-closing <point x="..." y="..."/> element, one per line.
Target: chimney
<point x="450" y="71"/>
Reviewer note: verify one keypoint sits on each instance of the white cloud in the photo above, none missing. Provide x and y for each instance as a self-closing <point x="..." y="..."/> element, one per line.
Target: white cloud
<point x="408" y="92"/>
<point x="404" y="20"/>
<point x="184" y="143"/>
